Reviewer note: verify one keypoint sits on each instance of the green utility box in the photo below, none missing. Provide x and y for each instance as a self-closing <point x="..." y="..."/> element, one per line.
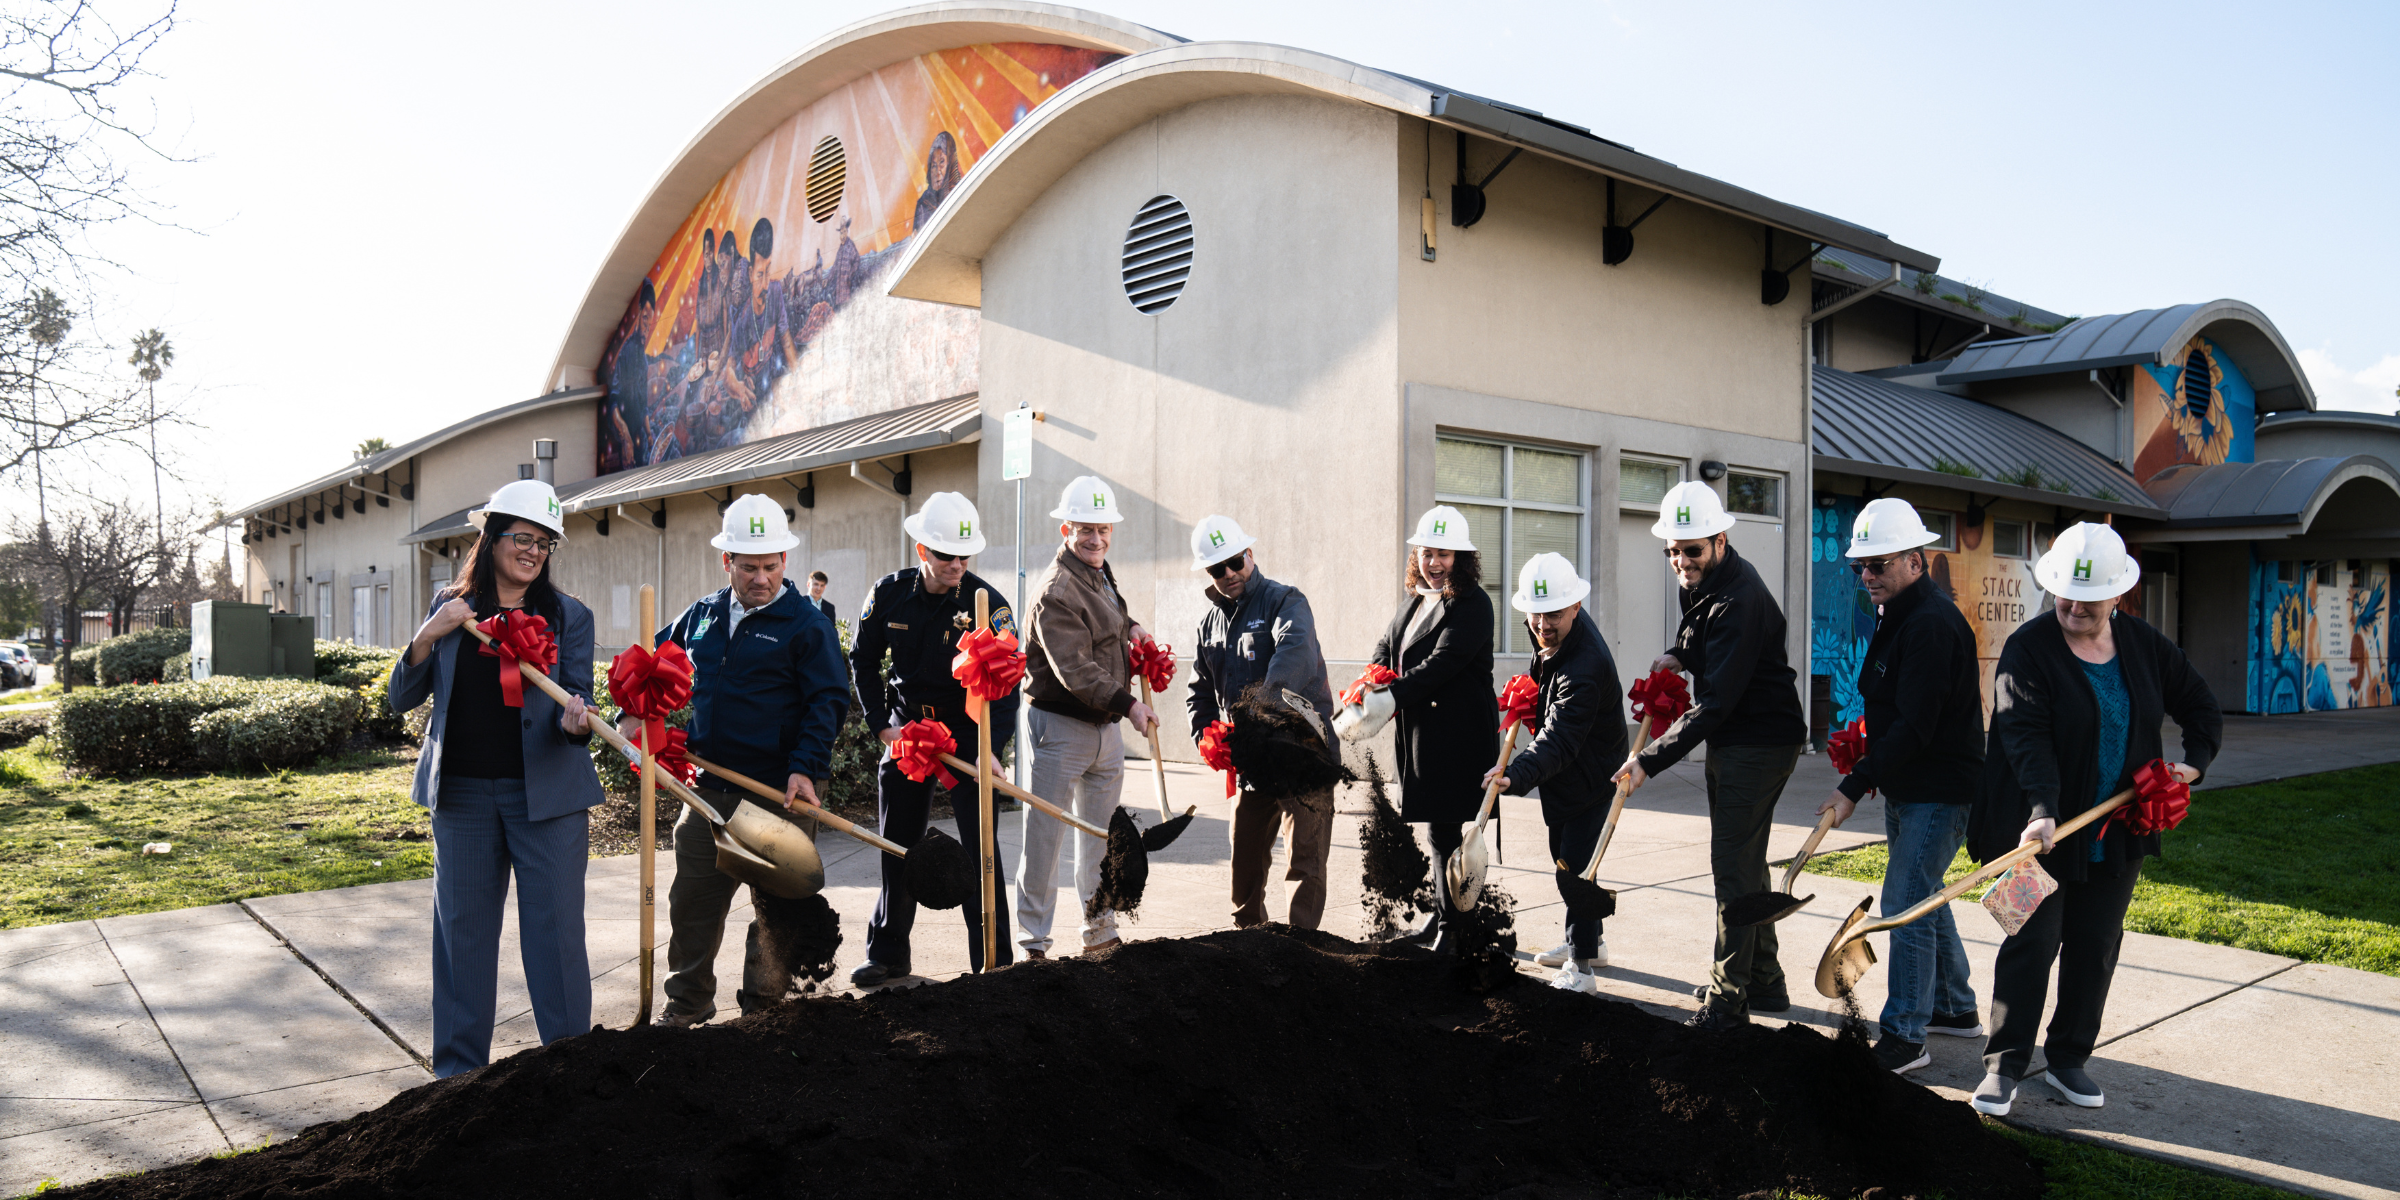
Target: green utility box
<point x="230" y="638"/>
<point x="294" y="638"/>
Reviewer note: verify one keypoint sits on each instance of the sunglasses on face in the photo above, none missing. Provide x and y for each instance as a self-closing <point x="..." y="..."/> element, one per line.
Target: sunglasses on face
<point x="938" y="556"/>
<point x="1221" y="570"/>
<point x="1694" y="553"/>
<point x="531" y="541"/>
<point x="1873" y="566"/>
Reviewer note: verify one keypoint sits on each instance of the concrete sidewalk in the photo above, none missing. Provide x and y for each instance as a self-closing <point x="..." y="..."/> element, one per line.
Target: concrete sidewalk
<point x="134" y="1042"/>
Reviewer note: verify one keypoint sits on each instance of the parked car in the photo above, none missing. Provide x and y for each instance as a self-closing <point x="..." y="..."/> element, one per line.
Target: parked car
<point x="16" y="665"/>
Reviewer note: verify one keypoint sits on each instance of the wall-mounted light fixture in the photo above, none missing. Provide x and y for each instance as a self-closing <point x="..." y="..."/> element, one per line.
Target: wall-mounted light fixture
<point x="1712" y="470"/>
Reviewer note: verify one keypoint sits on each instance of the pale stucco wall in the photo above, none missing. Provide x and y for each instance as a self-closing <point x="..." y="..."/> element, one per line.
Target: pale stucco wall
<point x="1267" y="392"/>
<point x="466" y="470"/>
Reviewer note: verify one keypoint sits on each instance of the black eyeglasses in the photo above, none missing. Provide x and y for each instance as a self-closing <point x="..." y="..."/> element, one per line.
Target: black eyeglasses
<point x="938" y="556"/>
<point x="1693" y="553"/>
<point x="1873" y="566"/>
<point x="1228" y="567"/>
<point x="533" y="541"/>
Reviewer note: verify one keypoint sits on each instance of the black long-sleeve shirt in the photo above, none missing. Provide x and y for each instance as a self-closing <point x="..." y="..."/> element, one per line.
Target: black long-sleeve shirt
<point x="1744" y="692"/>
<point x="1924" y="714"/>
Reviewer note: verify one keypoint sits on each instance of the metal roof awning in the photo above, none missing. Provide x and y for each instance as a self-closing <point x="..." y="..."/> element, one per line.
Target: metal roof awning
<point x="449" y="525"/>
<point x="1884" y="430"/>
<point x="2278" y="499"/>
<point x="881" y="435"/>
<point x="2148" y="337"/>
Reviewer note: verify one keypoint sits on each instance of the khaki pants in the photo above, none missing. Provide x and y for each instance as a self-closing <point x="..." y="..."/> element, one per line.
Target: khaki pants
<point x="1308" y="840"/>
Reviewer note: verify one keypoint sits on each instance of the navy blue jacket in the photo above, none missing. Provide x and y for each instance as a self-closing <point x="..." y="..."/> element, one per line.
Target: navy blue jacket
<point x="768" y="700"/>
<point x="558" y="765"/>
<point x="1267" y="637"/>
<point x="920" y="631"/>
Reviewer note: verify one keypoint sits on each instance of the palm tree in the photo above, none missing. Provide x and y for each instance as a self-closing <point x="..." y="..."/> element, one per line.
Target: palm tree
<point x="46" y="320"/>
<point x="152" y="355"/>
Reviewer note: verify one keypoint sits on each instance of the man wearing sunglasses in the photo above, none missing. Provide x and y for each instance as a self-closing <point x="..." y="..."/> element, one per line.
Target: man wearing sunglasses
<point x="1924" y="713"/>
<point x="1746" y="707"/>
<point x="1260" y="633"/>
<point x="917" y="615"/>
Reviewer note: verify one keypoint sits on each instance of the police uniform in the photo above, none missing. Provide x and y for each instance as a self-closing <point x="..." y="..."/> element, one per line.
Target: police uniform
<point x="921" y="631"/>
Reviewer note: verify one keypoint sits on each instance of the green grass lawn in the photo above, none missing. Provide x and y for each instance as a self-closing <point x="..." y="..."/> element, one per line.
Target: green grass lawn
<point x="2306" y="868"/>
<point x="2078" y="1170"/>
<point x="71" y="849"/>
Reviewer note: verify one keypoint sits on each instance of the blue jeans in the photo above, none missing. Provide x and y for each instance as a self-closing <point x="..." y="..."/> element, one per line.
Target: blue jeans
<point x="1928" y="970"/>
<point x="480" y="833"/>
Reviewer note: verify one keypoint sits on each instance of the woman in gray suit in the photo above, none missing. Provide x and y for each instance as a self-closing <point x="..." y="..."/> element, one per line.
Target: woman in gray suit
<point x="508" y="786"/>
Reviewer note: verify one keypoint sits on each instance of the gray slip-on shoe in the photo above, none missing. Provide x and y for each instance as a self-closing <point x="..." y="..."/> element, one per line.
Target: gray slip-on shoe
<point x="2076" y="1086"/>
<point x="1994" y="1095"/>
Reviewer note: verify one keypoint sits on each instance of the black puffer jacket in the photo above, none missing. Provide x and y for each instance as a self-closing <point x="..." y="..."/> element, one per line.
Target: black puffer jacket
<point x="2044" y="757"/>
<point x="1743" y="687"/>
<point x="1924" y="704"/>
<point x="1581" y="738"/>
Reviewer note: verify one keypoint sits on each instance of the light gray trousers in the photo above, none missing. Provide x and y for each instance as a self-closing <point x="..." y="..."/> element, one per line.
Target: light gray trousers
<point x="1079" y="767"/>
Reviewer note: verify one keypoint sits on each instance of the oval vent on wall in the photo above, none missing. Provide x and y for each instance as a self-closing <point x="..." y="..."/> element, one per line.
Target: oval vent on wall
<point x="1158" y="254"/>
<point x="828" y="167"/>
<point x="2199" y="391"/>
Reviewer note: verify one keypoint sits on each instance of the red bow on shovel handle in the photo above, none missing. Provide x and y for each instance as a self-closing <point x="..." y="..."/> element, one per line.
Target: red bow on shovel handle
<point x="1661" y="696"/>
<point x="2161" y="799"/>
<point x="919" y="750"/>
<point x="519" y="637"/>
<point x="1519" y="701"/>
<point x="1847" y="746"/>
<point x="650" y="686"/>
<point x="1154" y="661"/>
<point x="989" y="666"/>
<point x="670" y="757"/>
<point x="1216" y="751"/>
<point x="1376" y="675"/>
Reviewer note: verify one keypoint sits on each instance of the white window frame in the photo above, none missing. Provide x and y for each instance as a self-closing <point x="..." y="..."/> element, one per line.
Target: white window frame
<point x="1783" y="494"/>
<point x="1499" y="565"/>
<point x="2024" y="543"/>
<point x="1944" y="519"/>
<point x="1674" y="466"/>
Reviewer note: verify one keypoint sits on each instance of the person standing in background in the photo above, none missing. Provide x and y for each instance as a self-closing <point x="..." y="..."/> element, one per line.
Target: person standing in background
<point x="816" y="592"/>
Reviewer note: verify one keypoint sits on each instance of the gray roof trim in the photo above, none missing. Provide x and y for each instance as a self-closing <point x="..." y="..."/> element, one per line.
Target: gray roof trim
<point x="1542" y="133"/>
<point x="881" y="435"/>
<point x="1851" y="268"/>
<point x="2146" y="337"/>
<point x="2330" y="418"/>
<point x="2282" y="492"/>
<point x="1884" y="430"/>
<point x="448" y="525"/>
<point x="380" y="463"/>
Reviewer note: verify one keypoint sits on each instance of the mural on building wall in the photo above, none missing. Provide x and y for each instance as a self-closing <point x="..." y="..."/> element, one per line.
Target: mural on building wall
<point x="1995" y="591"/>
<point x="762" y="314"/>
<point x="2198" y="409"/>
<point x="2320" y="636"/>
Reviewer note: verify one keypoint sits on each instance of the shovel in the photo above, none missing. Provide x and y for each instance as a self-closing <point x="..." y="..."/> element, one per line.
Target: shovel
<point x="1464" y="872"/>
<point x="929" y="880"/>
<point x="760" y="850"/>
<point x="1848" y="956"/>
<point x="1584" y="896"/>
<point x="1158" y="772"/>
<point x="1766" y="908"/>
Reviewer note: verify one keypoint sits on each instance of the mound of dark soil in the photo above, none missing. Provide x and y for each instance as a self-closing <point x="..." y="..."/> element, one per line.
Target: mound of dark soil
<point x="1264" y="1062"/>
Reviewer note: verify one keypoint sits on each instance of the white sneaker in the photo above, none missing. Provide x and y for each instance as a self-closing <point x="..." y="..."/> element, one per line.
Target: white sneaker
<point x="1571" y="978"/>
<point x="1555" y="956"/>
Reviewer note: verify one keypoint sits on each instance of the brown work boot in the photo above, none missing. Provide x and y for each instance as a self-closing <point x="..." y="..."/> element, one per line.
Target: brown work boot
<point x="1036" y="955"/>
<point x="1097" y="947"/>
<point x="676" y="1020"/>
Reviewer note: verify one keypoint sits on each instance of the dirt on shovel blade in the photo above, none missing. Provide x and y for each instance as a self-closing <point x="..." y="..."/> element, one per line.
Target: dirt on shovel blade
<point x="941" y="873"/>
<point x="1261" y="1062"/>
<point x="1758" y="908"/>
<point x="1124" y="871"/>
<point x="1585" y="899"/>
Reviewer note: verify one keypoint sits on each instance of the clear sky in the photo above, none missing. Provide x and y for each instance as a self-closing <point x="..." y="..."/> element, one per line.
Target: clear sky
<point x="396" y="209"/>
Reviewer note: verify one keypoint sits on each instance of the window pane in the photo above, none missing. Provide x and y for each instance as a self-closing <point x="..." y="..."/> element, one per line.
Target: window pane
<point x="2008" y="539"/>
<point x="1466" y="468"/>
<point x="1757" y="495"/>
<point x="1640" y="482"/>
<point x="1944" y="524"/>
<point x="1483" y="528"/>
<point x="1547" y="477"/>
<point x="1532" y="532"/>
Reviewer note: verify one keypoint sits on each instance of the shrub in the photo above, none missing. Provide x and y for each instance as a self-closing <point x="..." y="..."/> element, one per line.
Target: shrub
<point x="293" y="727"/>
<point x="16" y="729"/>
<point x="83" y="666"/>
<point x="129" y="731"/>
<point x="141" y="656"/>
<point x="365" y="670"/>
<point x="178" y="669"/>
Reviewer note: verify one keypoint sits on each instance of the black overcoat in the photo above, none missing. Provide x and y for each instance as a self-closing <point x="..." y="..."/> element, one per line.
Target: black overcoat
<point x="1448" y="716"/>
<point x="2044" y="756"/>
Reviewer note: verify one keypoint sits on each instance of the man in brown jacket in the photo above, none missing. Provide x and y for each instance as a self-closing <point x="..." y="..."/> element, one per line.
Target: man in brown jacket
<point x="1080" y="685"/>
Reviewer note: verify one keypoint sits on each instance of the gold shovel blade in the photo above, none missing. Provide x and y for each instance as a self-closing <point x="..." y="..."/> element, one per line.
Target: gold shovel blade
<point x="1464" y="873"/>
<point x="770" y="853"/>
<point x="1847" y="957"/>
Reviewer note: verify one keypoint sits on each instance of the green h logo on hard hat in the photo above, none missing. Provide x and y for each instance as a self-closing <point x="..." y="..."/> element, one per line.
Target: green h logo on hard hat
<point x="966" y="530"/>
<point x="758" y="527"/>
<point x="1866" y="529"/>
<point x="1216" y="537"/>
<point x="1441" y="528"/>
<point x="1541" y="589"/>
<point x="1099" y="500"/>
<point x="2083" y="570"/>
<point x="553" y="506"/>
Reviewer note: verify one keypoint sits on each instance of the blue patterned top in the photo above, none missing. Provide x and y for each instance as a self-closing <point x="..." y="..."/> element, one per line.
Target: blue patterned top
<point x="2116" y="724"/>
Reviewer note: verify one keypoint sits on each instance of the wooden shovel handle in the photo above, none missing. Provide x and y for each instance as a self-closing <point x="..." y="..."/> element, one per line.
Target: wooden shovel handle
<point x="1158" y="762"/>
<point x="605" y="733"/>
<point x="1006" y="788"/>
<point x="814" y="813"/>
<point x="1994" y="867"/>
<point x="1616" y="807"/>
<point x="1807" y="848"/>
<point x="1491" y="791"/>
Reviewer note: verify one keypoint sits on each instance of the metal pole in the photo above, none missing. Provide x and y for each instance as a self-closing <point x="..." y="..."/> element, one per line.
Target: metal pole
<point x="1016" y="733"/>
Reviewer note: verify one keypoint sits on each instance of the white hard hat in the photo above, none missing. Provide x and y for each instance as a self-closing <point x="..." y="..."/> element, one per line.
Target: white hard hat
<point x="755" y="525"/>
<point x="1888" y="526"/>
<point x="1690" y="511"/>
<point x="528" y="498"/>
<point x="948" y="523"/>
<point x="2087" y="562"/>
<point x="1547" y="584"/>
<point x="1442" y="528"/>
<point x="1088" y="501"/>
<point x="1216" y="539"/>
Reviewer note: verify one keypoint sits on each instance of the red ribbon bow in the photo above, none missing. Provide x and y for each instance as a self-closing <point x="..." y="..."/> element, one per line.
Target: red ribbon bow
<point x="1376" y="675"/>
<point x="1847" y="746"/>
<point x="650" y="686"/>
<point x="918" y="753"/>
<point x="1661" y="696"/>
<point x="1217" y="751"/>
<point x="989" y="666"/>
<point x="1154" y="661"/>
<point x="2161" y="801"/>
<point x="519" y="637"/>
<point x="1518" y="701"/>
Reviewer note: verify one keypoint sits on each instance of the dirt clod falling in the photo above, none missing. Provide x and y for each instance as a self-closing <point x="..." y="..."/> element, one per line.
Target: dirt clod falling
<point x="1394" y="871"/>
<point x="797" y="938"/>
<point x="1124" y="872"/>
